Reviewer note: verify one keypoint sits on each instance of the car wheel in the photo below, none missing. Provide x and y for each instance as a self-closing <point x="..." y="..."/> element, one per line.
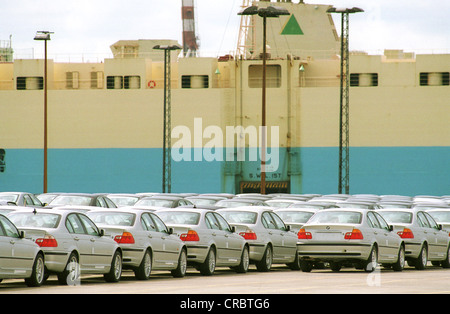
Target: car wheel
<point x="116" y="268"/>
<point x="296" y="264"/>
<point x="265" y="264"/>
<point x="306" y="266"/>
<point x="400" y="264"/>
<point x="180" y="271"/>
<point x="245" y="261"/>
<point x="208" y="267"/>
<point x="446" y="263"/>
<point x="145" y="268"/>
<point x="38" y="272"/>
<point x="422" y="260"/>
<point x="372" y="261"/>
<point x="71" y="274"/>
<point x="335" y="266"/>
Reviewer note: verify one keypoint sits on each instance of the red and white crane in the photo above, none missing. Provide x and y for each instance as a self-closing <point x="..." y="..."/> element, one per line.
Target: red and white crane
<point x="190" y="44"/>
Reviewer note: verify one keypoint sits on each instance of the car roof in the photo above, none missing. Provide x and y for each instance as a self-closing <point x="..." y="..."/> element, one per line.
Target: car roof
<point x="248" y="208"/>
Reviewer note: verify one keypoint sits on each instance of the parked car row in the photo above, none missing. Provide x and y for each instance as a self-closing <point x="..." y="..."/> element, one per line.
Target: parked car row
<point x="89" y="233"/>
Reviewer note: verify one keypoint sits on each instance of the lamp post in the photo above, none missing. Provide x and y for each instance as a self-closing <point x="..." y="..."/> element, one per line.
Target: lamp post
<point x="264" y="12"/>
<point x="44" y="36"/>
<point x="344" y="151"/>
<point x="167" y="168"/>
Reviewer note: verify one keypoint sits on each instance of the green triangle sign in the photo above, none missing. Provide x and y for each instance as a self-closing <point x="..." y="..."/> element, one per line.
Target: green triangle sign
<point x="292" y="27"/>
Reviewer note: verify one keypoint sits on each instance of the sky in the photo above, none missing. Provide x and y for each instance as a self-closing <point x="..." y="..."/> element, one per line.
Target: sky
<point x="89" y="27"/>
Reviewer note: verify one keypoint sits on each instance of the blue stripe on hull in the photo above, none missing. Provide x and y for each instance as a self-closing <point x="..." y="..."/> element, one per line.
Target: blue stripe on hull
<point x="377" y="170"/>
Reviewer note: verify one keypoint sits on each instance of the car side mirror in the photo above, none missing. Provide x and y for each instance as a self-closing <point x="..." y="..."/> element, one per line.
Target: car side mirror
<point x="102" y="232"/>
<point x="170" y="230"/>
<point x="391" y="228"/>
<point x="288" y="227"/>
<point x="233" y="229"/>
<point x="21" y="234"/>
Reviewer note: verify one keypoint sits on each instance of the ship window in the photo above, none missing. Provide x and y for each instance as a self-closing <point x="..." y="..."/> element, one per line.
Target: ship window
<point x="30" y="83"/>
<point x="434" y="78"/>
<point x="273" y="76"/>
<point x="194" y="81"/>
<point x="364" y="79"/>
<point x="126" y="82"/>
<point x="96" y="79"/>
<point x="72" y="80"/>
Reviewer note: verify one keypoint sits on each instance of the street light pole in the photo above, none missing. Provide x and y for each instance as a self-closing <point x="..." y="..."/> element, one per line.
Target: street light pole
<point x="265" y="12"/>
<point x="344" y="114"/>
<point x="45" y="36"/>
<point x="167" y="168"/>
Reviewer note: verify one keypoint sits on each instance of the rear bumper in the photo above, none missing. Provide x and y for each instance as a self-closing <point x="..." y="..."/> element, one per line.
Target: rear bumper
<point x="334" y="251"/>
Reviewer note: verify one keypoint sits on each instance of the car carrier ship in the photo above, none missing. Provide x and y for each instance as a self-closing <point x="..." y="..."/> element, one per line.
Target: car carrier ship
<point x="106" y="119"/>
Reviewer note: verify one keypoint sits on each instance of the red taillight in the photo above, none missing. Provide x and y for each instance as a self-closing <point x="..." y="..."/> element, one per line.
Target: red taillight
<point x="248" y="235"/>
<point x="406" y="234"/>
<point x="191" y="235"/>
<point x="47" y="241"/>
<point x="302" y="234"/>
<point x="356" y="234"/>
<point x="125" y="238"/>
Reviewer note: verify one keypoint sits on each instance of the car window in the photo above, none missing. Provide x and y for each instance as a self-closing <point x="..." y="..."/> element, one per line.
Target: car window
<point x="211" y="221"/>
<point x="383" y="223"/>
<point x="222" y="222"/>
<point x="110" y="203"/>
<point x="74" y="225"/>
<point x="27" y="200"/>
<point x="160" y="225"/>
<point x="431" y="221"/>
<point x="268" y="221"/>
<point x="373" y="222"/>
<point x="35" y="200"/>
<point x="279" y="223"/>
<point x="100" y="202"/>
<point x="8" y="229"/>
<point x="91" y="228"/>
<point x="147" y="222"/>
<point x="423" y="222"/>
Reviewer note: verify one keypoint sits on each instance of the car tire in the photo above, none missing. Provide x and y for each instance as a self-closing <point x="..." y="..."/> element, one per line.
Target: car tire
<point x="71" y="274"/>
<point x="145" y="268"/>
<point x="335" y="266"/>
<point x="400" y="263"/>
<point x="372" y="262"/>
<point x="180" y="271"/>
<point x="116" y="268"/>
<point x="38" y="273"/>
<point x="295" y="265"/>
<point x="421" y="261"/>
<point x="245" y="261"/>
<point x="209" y="265"/>
<point x="306" y="266"/>
<point x="446" y="263"/>
<point x="265" y="264"/>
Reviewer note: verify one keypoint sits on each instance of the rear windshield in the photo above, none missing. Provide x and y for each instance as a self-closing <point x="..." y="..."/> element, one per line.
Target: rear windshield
<point x="113" y="219"/>
<point x="397" y="217"/>
<point x="294" y="216"/>
<point x="443" y="216"/>
<point x="239" y="217"/>
<point x="179" y="217"/>
<point x="344" y="217"/>
<point x="71" y="200"/>
<point x="36" y="220"/>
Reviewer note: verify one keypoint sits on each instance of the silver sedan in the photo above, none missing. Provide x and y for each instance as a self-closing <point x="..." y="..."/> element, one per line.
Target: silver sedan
<point x="72" y="243"/>
<point x="358" y="237"/>
<point x="20" y="257"/>
<point x="210" y="240"/>
<point x="145" y="240"/>
<point x="270" y="240"/>
<point x="424" y="238"/>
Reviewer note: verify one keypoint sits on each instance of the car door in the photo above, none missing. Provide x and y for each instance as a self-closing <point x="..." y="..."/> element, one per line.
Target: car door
<point x="233" y="240"/>
<point x="275" y="236"/>
<point x="102" y="247"/>
<point x="388" y="242"/>
<point x="154" y="239"/>
<point x="170" y="243"/>
<point x="81" y="240"/>
<point x="219" y="238"/>
<point x="442" y="237"/>
<point x="17" y="254"/>
<point x="288" y="239"/>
